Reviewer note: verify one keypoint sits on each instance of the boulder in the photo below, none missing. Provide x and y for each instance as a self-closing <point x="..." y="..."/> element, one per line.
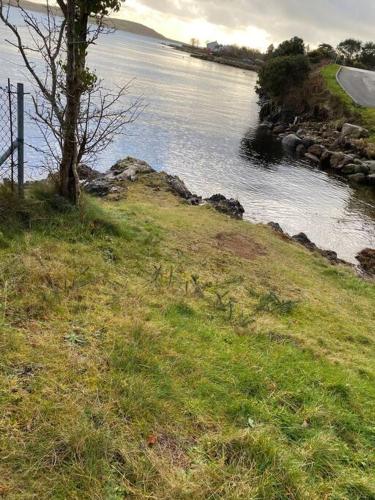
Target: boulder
<point x="350" y="168"/>
<point x="86" y="173"/>
<point x="178" y="187"/>
<point x="338" y="160"/>
<point x="303" y="240"/>
<point x="308" y="142"/>
<point x="104" y="186"/>
<point x="366" y="258"/>
<point x="130" y="168"/>
<point x="312" y="158"/>
<point x="230" y="207"/>
<point x="325" y="159"/>
<point x="370" y="165"/>
<point x="353" y="131"/>
<point x="291" y="141"/>
<point x="300" y="150"/>
<point x="279" y="129"/>
<point x="276" y="227"/>
<point x="316" y="150"/>
<point x="357" y="178"/>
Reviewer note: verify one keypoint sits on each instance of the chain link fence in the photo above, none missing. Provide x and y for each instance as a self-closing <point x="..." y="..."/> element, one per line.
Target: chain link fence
<point x="12" y="135"/>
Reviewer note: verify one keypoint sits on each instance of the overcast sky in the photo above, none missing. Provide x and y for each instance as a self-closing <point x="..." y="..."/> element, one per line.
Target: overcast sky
<point x="256" y="23"/>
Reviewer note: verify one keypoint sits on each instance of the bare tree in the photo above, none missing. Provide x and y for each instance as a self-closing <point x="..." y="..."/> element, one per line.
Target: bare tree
<point x="75" y="114"/>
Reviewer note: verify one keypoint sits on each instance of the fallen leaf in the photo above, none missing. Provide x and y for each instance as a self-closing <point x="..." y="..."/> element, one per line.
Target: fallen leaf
<point x="151" y="440"/>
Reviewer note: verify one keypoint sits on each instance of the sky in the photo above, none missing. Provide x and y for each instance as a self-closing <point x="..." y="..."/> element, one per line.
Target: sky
<point x="255" y="23"/>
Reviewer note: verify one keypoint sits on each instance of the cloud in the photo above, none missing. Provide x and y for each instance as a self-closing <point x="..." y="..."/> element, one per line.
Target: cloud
<point x="316" y="21"/>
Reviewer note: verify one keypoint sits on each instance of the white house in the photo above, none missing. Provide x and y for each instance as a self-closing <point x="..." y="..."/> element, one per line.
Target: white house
<point x="213" y="46"/>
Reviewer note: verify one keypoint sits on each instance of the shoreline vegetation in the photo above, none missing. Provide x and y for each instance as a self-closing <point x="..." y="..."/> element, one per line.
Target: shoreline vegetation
<point x="219" y="59"/>
<point x="154" y="349"/>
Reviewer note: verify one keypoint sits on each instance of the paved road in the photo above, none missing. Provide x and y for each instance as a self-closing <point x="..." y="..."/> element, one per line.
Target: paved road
<point x="359" y="84"/>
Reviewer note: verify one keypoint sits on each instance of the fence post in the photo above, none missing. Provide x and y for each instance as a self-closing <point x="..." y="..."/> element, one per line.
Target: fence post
<point x="20" y="138"/>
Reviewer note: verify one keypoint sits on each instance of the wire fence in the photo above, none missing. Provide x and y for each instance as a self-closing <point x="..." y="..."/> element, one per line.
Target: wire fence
<point x="12" y="135"/>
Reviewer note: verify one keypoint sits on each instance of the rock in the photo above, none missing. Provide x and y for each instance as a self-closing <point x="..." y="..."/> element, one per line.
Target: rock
<point x="325" y="159"/>
<point x="357" y="178"/>
<point x="316" y="150"/>
<point x="371" y="166"/>
<point x="86" y="173"/>
<point x="366" y="258"/>
<point x="276" y="227"/>
<point x="303" y="240"/>
<point x="351" y="168"/>
<point x="308" y="142"/>
<point x="103" y="186"/>
<point x="130" y="168"/>
<point x="279" y="129"/>
<point x="339" y="160"/>
<point x="371" y="179"/>
<point x="178" y="187"/>
<point x="266" y="124"/>
<point x="312" y="158"/>
<point x="300" y="150"/>
<point x="300" y="132"/>
<point x="291" y="141"/>
<point x="231" y="207"/>
<point x="353" y="131"/>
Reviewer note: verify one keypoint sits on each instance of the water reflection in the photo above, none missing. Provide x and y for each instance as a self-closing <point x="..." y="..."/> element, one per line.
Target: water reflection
<point x="261" y="148"/>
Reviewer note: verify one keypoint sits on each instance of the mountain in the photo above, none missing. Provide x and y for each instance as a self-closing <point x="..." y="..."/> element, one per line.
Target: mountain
<point x="120" y="24"/>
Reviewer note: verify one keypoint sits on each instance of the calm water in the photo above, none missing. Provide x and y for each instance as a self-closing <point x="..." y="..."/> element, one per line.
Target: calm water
<point x="201" y="123"/>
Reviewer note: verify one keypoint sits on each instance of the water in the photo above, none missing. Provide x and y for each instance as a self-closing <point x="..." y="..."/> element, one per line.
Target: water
<point x="201" y="123"/>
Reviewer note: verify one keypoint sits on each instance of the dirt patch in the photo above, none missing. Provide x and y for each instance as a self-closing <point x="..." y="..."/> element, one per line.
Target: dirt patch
<point x="173" y="451"/>
<point x="240" y="245"/>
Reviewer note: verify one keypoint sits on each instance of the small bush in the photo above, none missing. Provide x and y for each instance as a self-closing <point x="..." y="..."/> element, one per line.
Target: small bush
<point x="281" y="74"/>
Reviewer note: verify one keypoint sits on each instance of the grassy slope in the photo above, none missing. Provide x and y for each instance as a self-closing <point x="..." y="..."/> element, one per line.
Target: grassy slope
<point x="367" y="115"/>
<point x="125" y="372"/>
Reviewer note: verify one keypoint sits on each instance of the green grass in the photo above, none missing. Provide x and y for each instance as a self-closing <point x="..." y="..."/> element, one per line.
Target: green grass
<point x="366" y="115"/>
<point x="140" y="357"/>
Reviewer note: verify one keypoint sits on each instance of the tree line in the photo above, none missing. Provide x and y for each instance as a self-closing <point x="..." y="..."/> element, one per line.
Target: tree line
<point x="288" y="65"/>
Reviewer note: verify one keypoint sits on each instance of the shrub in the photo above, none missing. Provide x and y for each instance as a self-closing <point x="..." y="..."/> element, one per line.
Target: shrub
<point x="281" y="74"/>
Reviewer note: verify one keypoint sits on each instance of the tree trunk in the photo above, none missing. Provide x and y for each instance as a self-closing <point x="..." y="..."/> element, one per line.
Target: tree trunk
<point x="69" y="182"/>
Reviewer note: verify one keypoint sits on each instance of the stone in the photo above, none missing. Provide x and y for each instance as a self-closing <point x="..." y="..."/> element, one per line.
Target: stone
<point x="353" y="131"/>
<point x="230" y="207"/>
<point x="371" y="166"/>
<point x="366" y="258"/>
<point x="279" y="129"/>
<point x="325" y="159"/>
<point x="178" y="187"/>
<point x="303" y="240"/>
<point x="308" y="142"/>
<point x="300" y="150"/>
<point x="338" y="160"/>
<point x="350" y="168"/>
<point x="87" y="173"/>
<point x="276" y="227"/>
<point x="357" y="178"/>
<point x="291" y="141"/>
<point x="103" y="186"/>
<point x="266" y="124"/>
<point x="371" y="179"/>
<point x="312" y="158"/>
<point x="316" y="150"/>
<point x="130" y="168"/>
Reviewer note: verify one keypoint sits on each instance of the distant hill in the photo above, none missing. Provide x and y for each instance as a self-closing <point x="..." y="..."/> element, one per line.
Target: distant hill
<point x="121" y="24"/>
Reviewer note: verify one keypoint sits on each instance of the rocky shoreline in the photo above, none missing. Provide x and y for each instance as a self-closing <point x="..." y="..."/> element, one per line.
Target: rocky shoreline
<point x="113" y="184"/>
<point x="340" y="149"/>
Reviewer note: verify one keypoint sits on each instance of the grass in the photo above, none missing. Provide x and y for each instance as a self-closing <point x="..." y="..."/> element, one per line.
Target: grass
<point x="366" y="115"/>
<point x="143" y="358"/>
